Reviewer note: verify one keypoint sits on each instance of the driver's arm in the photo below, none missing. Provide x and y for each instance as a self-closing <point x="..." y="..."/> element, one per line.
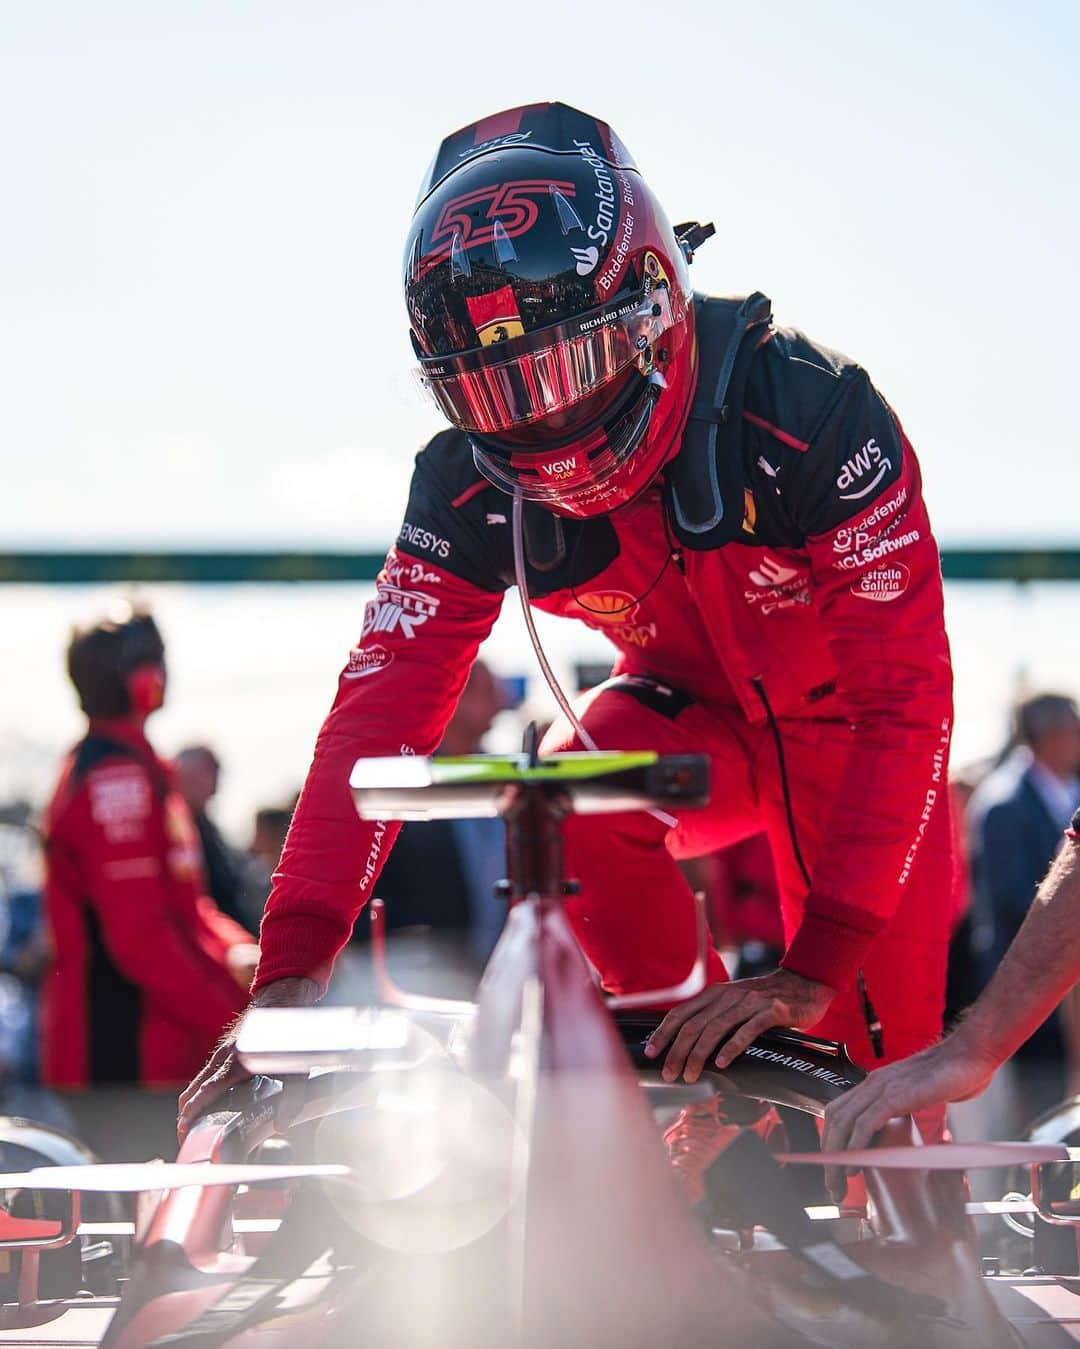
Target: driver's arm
<point x="1038" y="969"/>
<point x="432" y="608"/>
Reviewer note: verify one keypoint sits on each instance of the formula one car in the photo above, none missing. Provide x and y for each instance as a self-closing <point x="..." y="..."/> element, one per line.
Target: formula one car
<point x="437" y="1173"/>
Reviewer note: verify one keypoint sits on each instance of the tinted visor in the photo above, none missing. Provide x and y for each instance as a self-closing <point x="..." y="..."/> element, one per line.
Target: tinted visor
<point x="505" y="385"/>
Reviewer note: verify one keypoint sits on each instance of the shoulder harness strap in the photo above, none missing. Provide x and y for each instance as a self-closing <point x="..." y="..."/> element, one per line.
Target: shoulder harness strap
<point x="703" y="485"/>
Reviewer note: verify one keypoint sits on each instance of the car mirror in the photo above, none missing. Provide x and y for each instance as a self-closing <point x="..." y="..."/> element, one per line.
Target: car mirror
<point x="23" y="1220"/>
<point x="1055" y="1191"/>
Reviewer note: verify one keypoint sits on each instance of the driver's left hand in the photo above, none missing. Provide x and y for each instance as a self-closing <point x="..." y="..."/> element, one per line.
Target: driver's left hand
<point x="740" y="1010"/>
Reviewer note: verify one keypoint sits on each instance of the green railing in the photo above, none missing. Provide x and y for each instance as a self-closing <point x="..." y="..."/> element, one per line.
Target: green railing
<point x="205" y="568"/>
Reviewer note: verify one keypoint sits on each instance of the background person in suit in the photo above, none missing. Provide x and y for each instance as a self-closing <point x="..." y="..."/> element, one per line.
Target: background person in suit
<point x="198" y="774"/>
<point x="1015" y="818"/>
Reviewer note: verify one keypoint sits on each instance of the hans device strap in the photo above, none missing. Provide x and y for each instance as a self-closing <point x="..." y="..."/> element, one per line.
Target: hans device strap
<point x="703" y="485"/>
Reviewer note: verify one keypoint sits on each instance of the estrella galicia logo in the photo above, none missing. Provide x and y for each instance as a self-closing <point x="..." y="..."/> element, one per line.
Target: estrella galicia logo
<point x="586" y="259"/>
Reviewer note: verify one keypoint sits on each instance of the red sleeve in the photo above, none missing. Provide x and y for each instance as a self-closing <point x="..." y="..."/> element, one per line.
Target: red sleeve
<point x="877" y="576"/>
<point x="145" y="916"/>
<point x="420" y="636"/>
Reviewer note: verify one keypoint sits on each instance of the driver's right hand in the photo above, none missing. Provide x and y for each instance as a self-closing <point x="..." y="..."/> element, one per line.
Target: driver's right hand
<point x="223" y="1069"/>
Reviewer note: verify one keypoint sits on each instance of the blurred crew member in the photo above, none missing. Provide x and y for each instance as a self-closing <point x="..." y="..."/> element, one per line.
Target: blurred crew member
<point x="270" y="827"/>
<point x="146" y="972"/>
<point x="198" y="773"/>
<point x="738" y="509"/>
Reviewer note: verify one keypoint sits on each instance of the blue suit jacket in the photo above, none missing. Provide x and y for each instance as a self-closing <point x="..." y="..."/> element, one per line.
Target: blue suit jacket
<point x="1013" y="839"/>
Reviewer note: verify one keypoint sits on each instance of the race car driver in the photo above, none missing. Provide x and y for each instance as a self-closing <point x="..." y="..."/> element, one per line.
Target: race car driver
<point x="145" y="971"/>
<point x="739" y="510"/>
<point x="1040" y="966"/>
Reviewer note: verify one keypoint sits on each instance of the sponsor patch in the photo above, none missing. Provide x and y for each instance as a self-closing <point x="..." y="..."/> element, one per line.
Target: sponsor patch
<point x="423" y="539"/>
<point x="883" y="583"/>
<point x="749" y="519"/>
<point x="512" y="138"/>
<point x="561" y="468"/>
<point x="778" y="586"/>
<point x="882" y="547"/>
<point x="395" y="609"/>
<point x="586" y="259"/>
<point x="410" y="574"/>
<point x="798" y="1065"/>
<point x="863" y="471"/>
<point x="615" y="612"/>
<point x="120" y="801"/>
<point x="371" y="865"/>
<point x="937" y="779"/>
<point x="849" y="538"/>
<point x="769" y="572"/>
<point x="364" y="661"/>
<point x="132" y="868"/>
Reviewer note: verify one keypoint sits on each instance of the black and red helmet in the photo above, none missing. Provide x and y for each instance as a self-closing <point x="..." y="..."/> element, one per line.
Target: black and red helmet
<point x="550" y="308"/>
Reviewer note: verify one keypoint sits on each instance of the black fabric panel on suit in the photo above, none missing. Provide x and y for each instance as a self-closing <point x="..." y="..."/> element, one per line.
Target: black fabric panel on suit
<point x="423" y="883"/>
<point x="703" y="484"/>
<point x="650" y="693"/>
<point x="115" y="1013"/>
<point x="95" y="749"/>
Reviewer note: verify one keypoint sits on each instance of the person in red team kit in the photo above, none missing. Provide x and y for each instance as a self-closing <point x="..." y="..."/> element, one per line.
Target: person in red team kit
<point x="145" y="971"/>
<point x="739" y="511"/>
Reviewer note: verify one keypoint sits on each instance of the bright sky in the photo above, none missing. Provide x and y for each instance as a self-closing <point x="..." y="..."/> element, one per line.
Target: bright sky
<point x="202" y="337"/>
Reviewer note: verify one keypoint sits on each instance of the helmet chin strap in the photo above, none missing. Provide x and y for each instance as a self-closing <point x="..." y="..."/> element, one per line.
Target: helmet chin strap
<point x="518" y="530"/>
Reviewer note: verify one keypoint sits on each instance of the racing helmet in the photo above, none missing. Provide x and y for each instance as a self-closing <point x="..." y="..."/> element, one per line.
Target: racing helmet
<point x="106" y="661"/>
<point x="550" y="308"/>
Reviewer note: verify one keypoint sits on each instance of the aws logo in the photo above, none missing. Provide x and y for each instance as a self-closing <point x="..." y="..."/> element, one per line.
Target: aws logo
<point x="868" y="460"/>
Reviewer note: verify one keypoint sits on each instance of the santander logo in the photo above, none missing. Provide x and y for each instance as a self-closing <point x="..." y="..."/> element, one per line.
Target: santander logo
<point x="586" y="258"/>
<point x="772" y="573"/>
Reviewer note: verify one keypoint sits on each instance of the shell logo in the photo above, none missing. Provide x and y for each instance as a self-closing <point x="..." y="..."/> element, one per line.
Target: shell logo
<point x="609" y="608"/>
<point x="749" y="511"/>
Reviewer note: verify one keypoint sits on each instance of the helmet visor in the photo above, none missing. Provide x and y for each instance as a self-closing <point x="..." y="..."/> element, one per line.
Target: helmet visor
<point x="504" y="385"/>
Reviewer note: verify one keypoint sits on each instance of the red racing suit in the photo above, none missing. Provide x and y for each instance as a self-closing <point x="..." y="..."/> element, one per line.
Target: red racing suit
<point x="792" y="628"/>
<point x="138" y="988"/>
